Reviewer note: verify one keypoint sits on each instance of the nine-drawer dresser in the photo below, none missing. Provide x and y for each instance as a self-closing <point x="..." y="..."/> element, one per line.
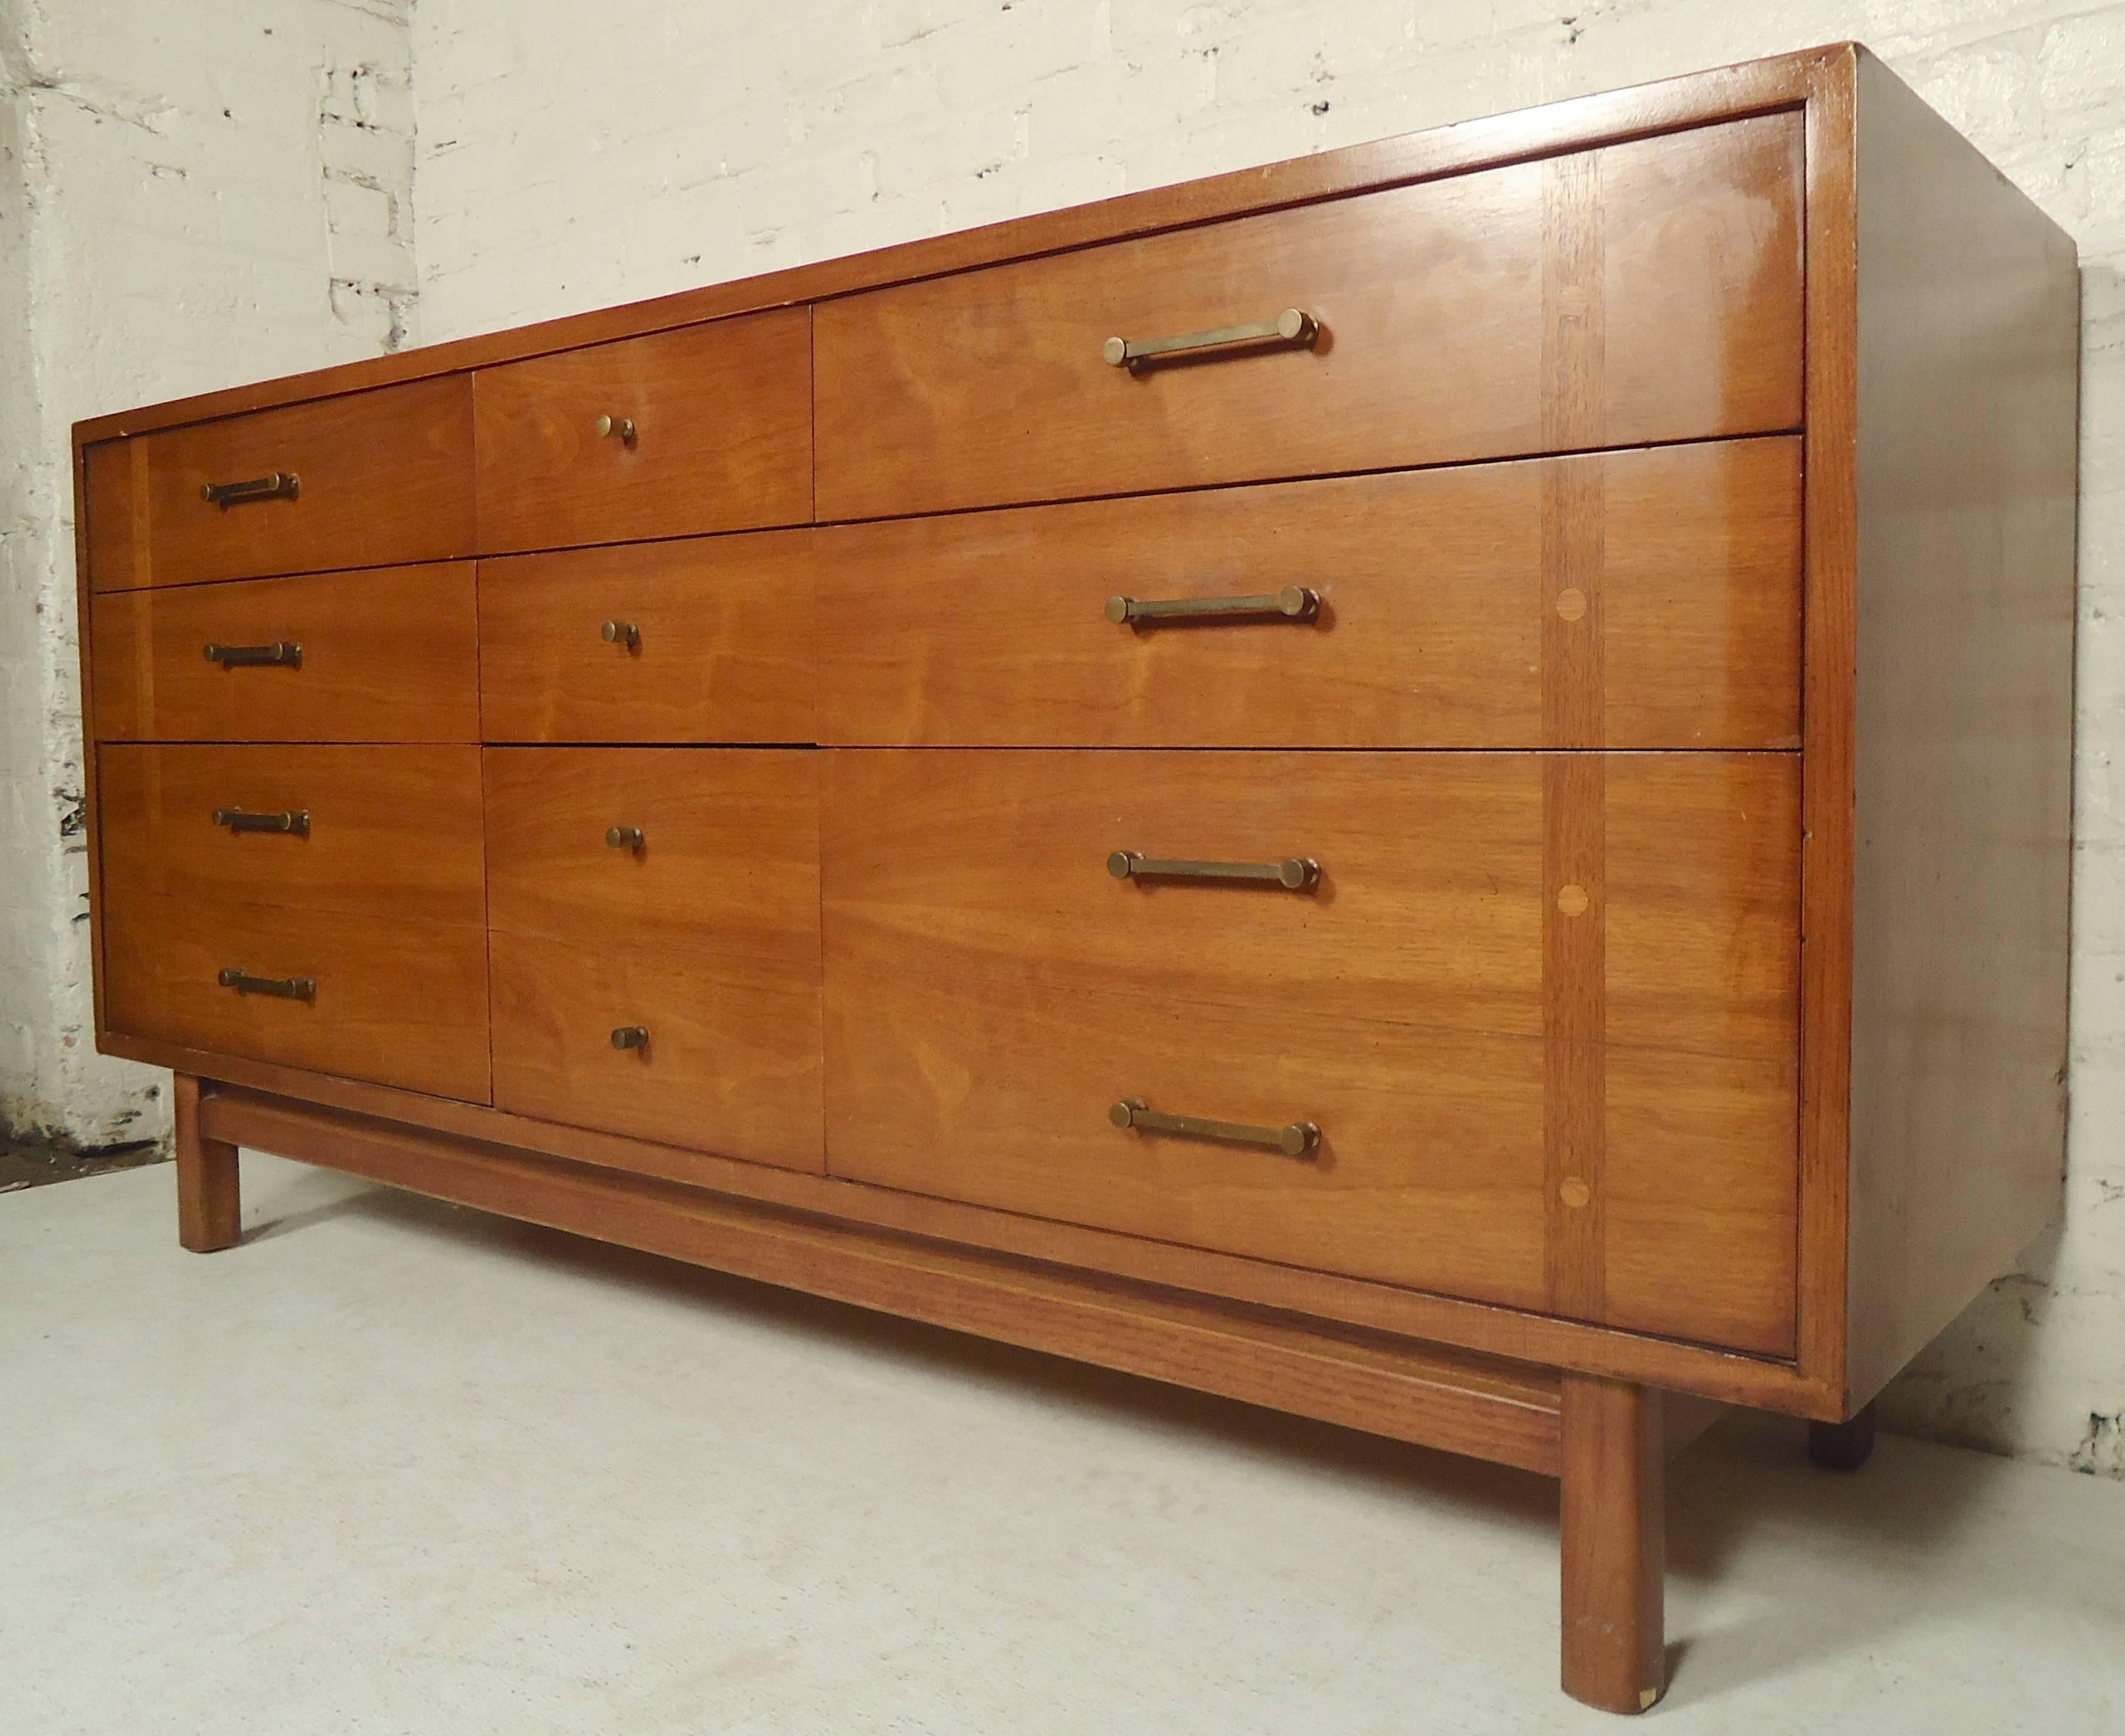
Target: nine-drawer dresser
<point x="1428" y="786"/>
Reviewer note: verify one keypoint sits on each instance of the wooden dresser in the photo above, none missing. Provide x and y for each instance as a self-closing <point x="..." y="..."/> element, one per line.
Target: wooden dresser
<point x="1428" y="786"/>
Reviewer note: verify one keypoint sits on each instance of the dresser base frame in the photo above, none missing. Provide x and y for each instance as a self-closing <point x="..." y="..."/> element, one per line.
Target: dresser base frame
<point x="1606" y="1440"/>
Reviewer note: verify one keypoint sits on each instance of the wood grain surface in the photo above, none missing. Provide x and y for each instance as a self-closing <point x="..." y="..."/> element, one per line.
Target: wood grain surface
<point x="723" y="650"/>
<point x="708" y="935"/>
<point x="385" y="478"/>
<point x="991" y="992"/>
<point x="1447" y="617"/>
<point x="393" y="831"/>
<point x="990" y="387"/>
<point x="399" y="1002"/>
<point x="723" y="417"/>
<point x="389" y="655"/>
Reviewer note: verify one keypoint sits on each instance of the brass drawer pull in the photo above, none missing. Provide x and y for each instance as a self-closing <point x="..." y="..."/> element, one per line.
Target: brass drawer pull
<point x="1295" y="1140"/>
<point x="621" y="426"/>
<point x="625" y="837"/>
<point x="1293" y="602"/>
<point x="285" y="988"/>
<point x="1294" y="873"/>
<point x="621" y="633"/>
<point x="630" y="1036"/>
<point x="1291" y="329"/>
<point x="280" y="485"/>
<point x="296" y="821"/>
<point x="285" y="653"/>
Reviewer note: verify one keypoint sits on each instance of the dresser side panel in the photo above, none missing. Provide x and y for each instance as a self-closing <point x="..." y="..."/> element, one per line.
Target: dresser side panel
<point x="1968" y="398"/>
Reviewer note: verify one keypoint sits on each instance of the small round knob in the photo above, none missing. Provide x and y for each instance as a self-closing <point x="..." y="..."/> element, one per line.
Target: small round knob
<point x="1122" y="864"/>
<point x="1296" y="873"/>
<point x="1292" y="325"/>
<point x="630" y="1036"/>
<point x="1118" y="610"/>
<point x="623" y="425"/>
<point x="621" y="633"/>
<point x="1123" y="1113"/>
<point x="1297" y="602"/>
<point x="1116" y="350"/>
<point x="624" y="837"/>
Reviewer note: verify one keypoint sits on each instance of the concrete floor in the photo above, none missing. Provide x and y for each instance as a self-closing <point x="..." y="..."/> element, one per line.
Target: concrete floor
<point x="393" y="1467"/>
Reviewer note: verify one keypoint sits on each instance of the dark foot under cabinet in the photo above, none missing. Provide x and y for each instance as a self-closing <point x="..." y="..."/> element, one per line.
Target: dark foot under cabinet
<point x="1428" y="786"/>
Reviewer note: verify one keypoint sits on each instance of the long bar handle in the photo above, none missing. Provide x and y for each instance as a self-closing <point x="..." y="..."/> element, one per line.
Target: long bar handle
<point x="285" y="988"/>
<point x="284" y="653"/>
<point x="280" y="485"/>
<point x="1294" y="1140"/>
<point x="1293" y="602"/>
<point x="295" y="820"/>
<point x="1294" y="873"/>
<point x="1293" y="328"/>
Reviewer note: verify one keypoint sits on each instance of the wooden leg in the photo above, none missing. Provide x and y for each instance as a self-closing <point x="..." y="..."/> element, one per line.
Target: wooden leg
<point x="1843" y="1447"/>
<point x="1614" y="1543"/>
<point x="209" y="1212"/>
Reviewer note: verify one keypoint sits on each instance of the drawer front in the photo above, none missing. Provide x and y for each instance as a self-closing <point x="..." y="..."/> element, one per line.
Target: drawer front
<point x="1647" y="599"/>
<point x="707" y="639"/>
<point x="369" y="479"/>
<point x="704" y="934"/>
<point x="1543" y="1010"/>
<point x="396" y="1001"/>
<point x="377" y="831"/>
<point x="708" y="428"/>
<point x="385" y="656"/>
<point x="1648" y="291"/>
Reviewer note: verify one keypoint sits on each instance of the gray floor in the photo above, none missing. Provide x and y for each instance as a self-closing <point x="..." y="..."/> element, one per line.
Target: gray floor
<point x="390" y="1467"/>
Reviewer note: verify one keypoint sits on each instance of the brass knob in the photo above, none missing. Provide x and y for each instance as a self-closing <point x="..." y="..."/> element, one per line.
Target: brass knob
<point x="621" y="633"/>
<point x="624" y="837"/>
<point x="630" y="1036"/>
<point x="623" y="425"/>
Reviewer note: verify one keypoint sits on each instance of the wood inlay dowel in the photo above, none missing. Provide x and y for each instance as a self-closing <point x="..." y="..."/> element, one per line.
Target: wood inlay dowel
<point x="1574" y="326"/>
<point x="1574" y="1018"/>
<point x="1574" y="535"/>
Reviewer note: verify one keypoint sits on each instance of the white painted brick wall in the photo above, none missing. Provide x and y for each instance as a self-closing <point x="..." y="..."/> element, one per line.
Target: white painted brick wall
<point x="189" y="196"/>
<point x="563" y="168"/>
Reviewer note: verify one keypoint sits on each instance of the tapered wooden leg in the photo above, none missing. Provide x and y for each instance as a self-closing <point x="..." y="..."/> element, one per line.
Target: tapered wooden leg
<point x="1614" y="1543"/>
<point x="209" y="1207"/>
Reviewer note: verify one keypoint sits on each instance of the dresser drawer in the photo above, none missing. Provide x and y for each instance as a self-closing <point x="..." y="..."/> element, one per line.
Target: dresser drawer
<point x="1436" y="1004"/>
<point x="394" y="1001"/>
<point x="1647" y="599"/>
<point x="391" y="655"/>
<point x="707" y="640"/>
<point x="694" y="929"/>
<point x="708" y="428"/>
<point x="368" y="478"/>
<point x="1647" y="292"/>
<point x="383" y="831"/>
